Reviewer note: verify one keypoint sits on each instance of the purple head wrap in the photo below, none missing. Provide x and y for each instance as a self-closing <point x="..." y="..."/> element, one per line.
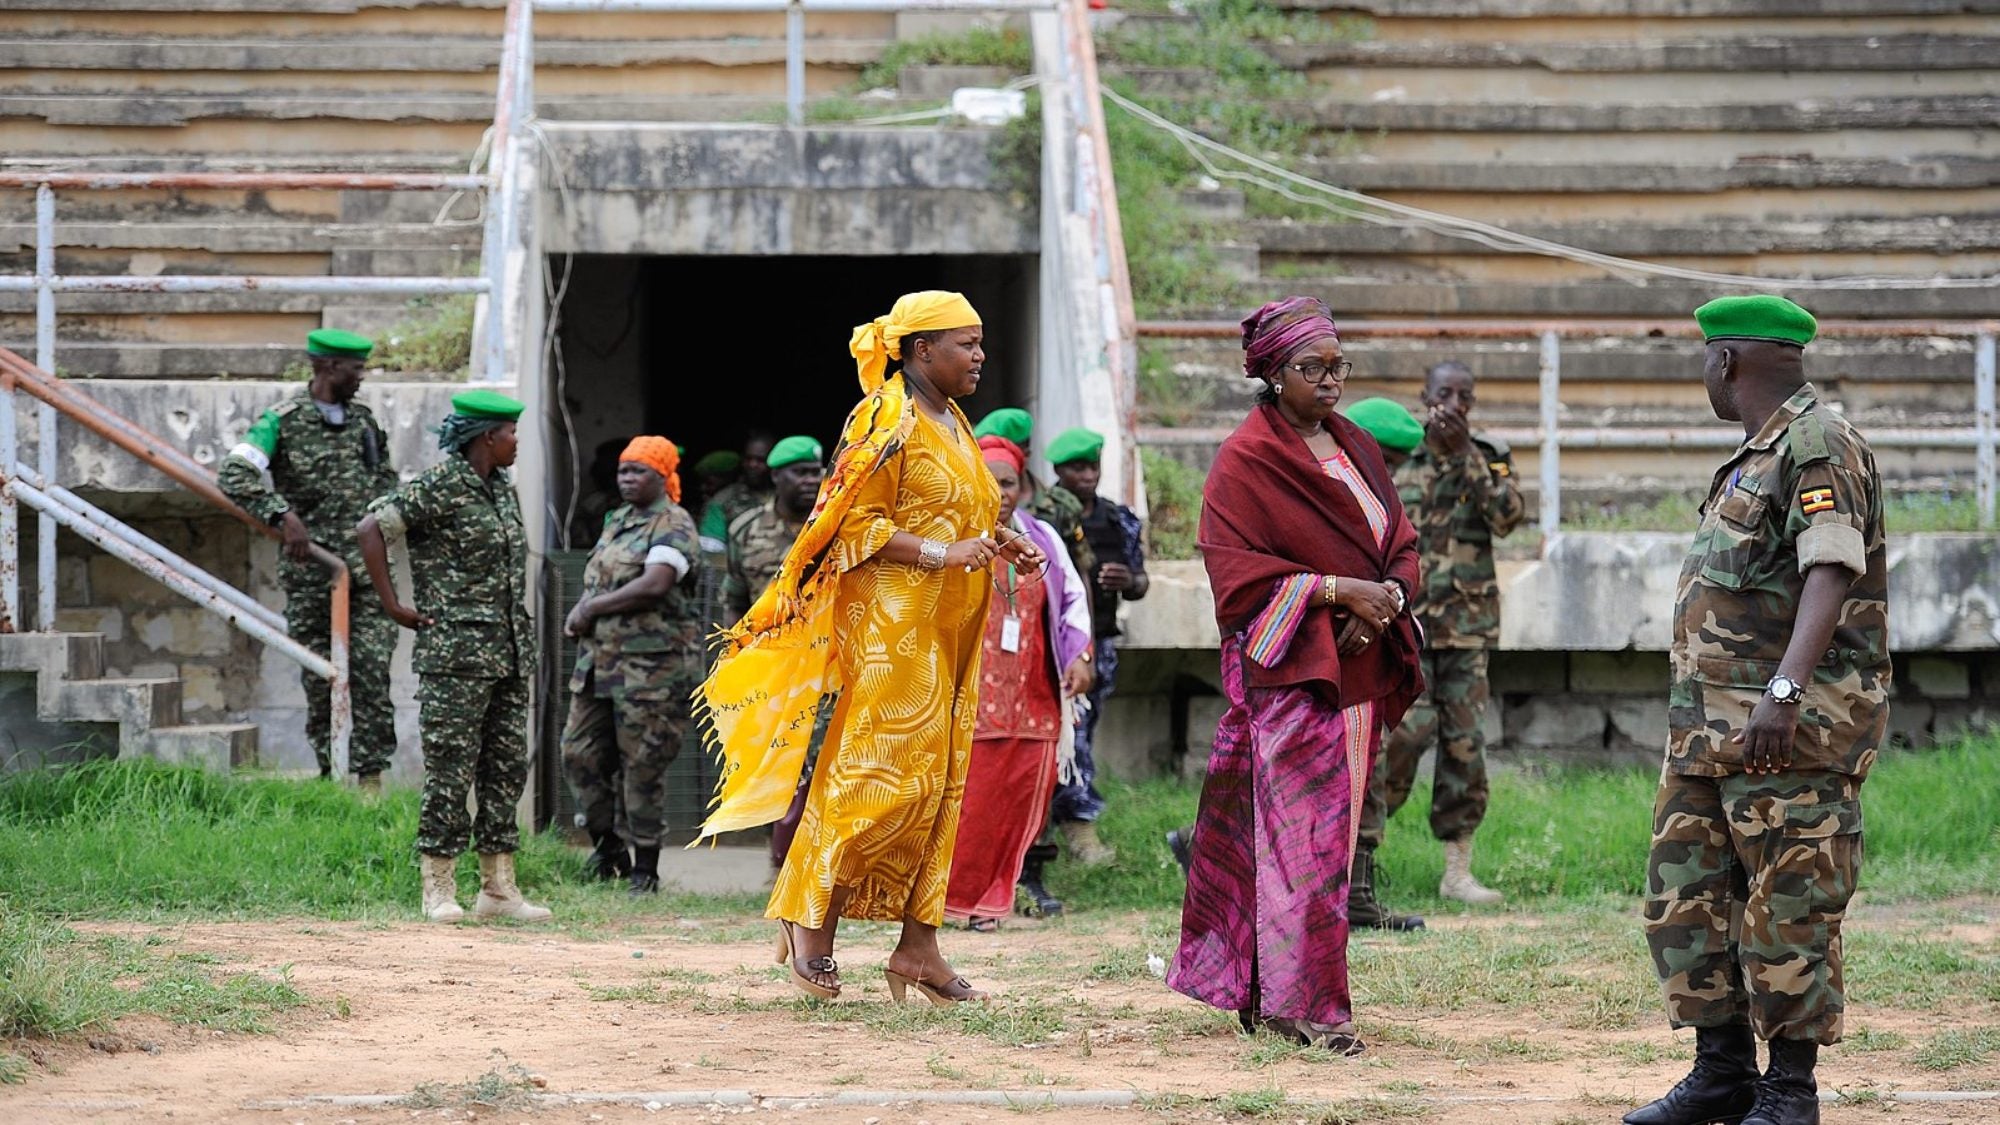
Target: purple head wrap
<point x="1274" y="332"/>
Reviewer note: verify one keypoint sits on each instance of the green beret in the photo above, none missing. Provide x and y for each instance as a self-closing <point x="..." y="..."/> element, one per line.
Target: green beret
<point x="1077" y="444"/>
<point x="1010" y="422"/>
<point x="1762" y="317"/>
<point x="487" y="404"/>
<point x="1390" y="423"/>
<point x="338" y="344"/>
<point x="719" y="462"/>
<point x="795" y="450"/>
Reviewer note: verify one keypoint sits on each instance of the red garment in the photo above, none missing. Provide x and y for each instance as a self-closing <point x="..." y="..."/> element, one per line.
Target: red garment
<point x="1013" y="771"/>
<point x="1270" y="512"/>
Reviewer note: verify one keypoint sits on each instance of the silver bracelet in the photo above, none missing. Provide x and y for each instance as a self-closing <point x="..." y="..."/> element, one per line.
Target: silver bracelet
<point x="930" y="555"/>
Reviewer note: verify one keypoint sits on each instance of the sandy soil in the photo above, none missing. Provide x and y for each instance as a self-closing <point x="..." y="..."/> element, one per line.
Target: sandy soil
<point x="699" y="1006"/>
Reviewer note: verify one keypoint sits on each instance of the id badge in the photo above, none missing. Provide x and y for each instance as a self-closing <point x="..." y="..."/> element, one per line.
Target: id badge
<point x="1010" y="634"/>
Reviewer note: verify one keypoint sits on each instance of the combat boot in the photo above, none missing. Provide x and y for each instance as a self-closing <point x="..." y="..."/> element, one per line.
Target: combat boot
<point x="645" y="872"/>
<point x="1032" y="899"/>
<point x="1084" y="846"/>
<point x="1458" y="881"/>
<point x="1181" y="843"/>
<point x="441" y="889"/>
<point x="499" y="897"/>
<point x="1721" y="1087"/>
<point x="1787" y="1094"/>
<point x="610" y="859"/>
<point x="1363" y="910"/>
<point x="370" y="784"/>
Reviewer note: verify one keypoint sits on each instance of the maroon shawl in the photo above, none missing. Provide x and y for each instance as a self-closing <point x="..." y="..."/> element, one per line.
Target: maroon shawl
<point x="1269" y="511"/>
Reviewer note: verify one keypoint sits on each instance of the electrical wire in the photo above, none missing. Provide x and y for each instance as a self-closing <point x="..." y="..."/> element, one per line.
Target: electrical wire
<point x="1382" y="212"/>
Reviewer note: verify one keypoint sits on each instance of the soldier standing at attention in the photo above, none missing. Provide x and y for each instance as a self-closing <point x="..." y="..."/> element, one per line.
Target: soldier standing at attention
<point x="1778" y="707"/>
<point x="460" y="521"/>
<point x="758" y="542"/>
<point x="308" y="467"/>
<point x="639" y="661"/>
<point x="1459" y="489"/>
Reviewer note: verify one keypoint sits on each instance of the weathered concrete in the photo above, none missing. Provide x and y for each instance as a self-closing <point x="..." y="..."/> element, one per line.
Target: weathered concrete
<point x="410" y="53"/>
<point x="1438" y="297"/>
<point x="1663" y="236"/>
<point x="762" y="190"/>
<point x="1542" y="9"/>
<point x="1821" y="53"/>
<point x="1634" y="177"/>
<point x="1806" y="116"/>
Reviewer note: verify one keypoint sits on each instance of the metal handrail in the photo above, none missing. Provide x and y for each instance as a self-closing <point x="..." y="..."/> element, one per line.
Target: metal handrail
<point x="1982" y="436"/>
<point x="58" y="396"/>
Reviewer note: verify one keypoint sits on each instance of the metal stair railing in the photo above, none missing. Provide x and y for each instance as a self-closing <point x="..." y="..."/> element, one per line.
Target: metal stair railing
<point x="64" y="508"/>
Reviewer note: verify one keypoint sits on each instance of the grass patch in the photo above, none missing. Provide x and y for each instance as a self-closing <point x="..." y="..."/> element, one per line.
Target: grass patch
<point x="13" y="1069"/>
<point x="981" y="46"/>
<point x="512" y="1088"/>
<point x="1954" y="1049"/>
<point x="1868" y="1040"/>
<point x="1173" y="506"/>
<point x="55" y="983"/>
<point x="434" y="337"/>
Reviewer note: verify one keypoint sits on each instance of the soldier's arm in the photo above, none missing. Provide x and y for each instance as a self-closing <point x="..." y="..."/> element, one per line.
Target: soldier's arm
<point x="1135" y="554"/>
<point x="1497" y="492"/>
<point x="245" y="473"/>
<point x="669" y="560"/>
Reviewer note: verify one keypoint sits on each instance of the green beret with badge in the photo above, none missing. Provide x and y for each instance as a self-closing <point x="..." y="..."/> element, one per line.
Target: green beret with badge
<point x="795" y="450"/>
<point x="1760" y="317"/>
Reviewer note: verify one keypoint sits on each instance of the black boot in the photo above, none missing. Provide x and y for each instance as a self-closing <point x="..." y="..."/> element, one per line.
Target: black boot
<point x="1034" y="899"/>
<point x="1363" y="911"/>
<point x="1181" y="842"/>
<point x="1787" y="1094"/>
<point x="1720" y="1088"/>
<point x="609" y="859"/>
<point x="645" y="871"/>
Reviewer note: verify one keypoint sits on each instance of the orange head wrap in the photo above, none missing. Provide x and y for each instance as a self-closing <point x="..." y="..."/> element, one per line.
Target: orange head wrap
<point x="659" y="455"/>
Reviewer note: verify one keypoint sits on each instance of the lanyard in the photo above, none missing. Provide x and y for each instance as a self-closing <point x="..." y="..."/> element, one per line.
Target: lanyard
<point x="1007" y="590"/>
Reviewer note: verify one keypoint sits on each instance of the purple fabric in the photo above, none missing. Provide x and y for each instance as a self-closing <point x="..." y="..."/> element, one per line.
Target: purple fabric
<point x="1264" y="925"/>
<point x="1066" y="594"/>
<point x="1274" y="332"/>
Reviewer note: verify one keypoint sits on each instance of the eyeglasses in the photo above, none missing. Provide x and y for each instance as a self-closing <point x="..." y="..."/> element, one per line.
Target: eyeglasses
<point x="1020" y="578"/>
<point x="1316" y="373"/>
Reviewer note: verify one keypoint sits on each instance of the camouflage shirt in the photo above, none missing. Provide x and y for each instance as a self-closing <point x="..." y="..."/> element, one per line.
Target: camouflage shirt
<point x="759" y="539"/>
<point x="655" y="651"/>
<point x="1802" y="493"/>
<point x="1060" y="509"/>
<point x="469" y="563"/>
<point x="723" y="508"/>
<point x="294" y="460"/>
<point x="1460" y="506"/>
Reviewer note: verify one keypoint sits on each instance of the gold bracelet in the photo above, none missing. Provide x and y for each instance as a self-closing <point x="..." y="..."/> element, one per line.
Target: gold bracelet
<point x="1328" y="584"/>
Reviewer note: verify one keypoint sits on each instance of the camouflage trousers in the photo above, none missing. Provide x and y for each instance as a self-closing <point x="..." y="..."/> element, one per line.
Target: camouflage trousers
<point x="615" y="753"/>
<point x="475" y="733"/>
<point x="1448" y="715"/>
<point x="370" y="646"/>
<point x="786" y="827"/>
<point x="1746" y="888"/>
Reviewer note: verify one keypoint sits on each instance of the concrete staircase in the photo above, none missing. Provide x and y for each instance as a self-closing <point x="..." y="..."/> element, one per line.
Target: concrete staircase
<point x="70" y="689"/>
<point x="1773" y="137"/>
<point x="347" y="85"/>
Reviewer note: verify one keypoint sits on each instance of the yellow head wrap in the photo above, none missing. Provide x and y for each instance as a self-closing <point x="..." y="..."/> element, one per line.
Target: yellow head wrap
<point x="881" y="340"/>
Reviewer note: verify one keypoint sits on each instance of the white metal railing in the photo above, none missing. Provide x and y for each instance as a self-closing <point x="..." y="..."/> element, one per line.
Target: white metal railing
<point x="1552" y="437"/>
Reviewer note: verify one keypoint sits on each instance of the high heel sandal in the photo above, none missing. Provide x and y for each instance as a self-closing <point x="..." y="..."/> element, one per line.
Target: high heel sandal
<point x="936" y="994"/>
<point x="818" y="967"/>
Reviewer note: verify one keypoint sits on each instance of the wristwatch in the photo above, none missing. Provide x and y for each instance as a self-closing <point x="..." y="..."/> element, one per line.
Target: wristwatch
<point x="1784" y="689"/>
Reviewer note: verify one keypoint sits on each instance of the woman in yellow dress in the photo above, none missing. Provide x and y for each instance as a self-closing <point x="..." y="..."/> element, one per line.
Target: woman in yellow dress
<point x="883" y="600"/>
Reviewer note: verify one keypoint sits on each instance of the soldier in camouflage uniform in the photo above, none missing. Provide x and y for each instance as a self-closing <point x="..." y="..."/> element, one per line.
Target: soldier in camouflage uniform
<point x="1776" y="712"/>
<point x="639" y="662"/>
<point x="1459" y="489"/>
<point x="759" y="539"/>
<point x="460" y="521"/>
<point x="309" y="466"/>
<point x="750" y="490"/>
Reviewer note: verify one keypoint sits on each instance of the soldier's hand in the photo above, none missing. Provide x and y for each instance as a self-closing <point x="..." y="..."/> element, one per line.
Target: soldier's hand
<point x="298" y="543"/>
<point x="1114" y="577"/>
<point x="406" y="617"/>
<point x="1356" y="636"/>
<point x="1767" y="739"/>
<point x="1447" y="431"/>
<point x="1079" y="677"/>
<point x="1373" y="602"/>
<point x="579" y="620"/>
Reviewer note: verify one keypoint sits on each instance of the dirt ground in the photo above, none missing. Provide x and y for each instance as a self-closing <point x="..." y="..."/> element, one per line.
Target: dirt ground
<point x="698" y="1005"/>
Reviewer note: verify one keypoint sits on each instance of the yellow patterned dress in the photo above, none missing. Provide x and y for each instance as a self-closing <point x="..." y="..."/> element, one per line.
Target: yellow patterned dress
<point x="883" y="811"/>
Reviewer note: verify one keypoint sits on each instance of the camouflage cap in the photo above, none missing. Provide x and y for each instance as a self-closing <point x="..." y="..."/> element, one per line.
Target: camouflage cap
<point x="1759" y="317"/>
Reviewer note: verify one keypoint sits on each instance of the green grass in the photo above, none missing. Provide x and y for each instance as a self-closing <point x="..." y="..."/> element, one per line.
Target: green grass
<point x="1953" y="1049"/>
<point x="55" y="982"/>
<point x="1173" y="506"/>
<point x="142" y="840"/>
<point x="434" y="337"/>
<point x="981" y="46"/>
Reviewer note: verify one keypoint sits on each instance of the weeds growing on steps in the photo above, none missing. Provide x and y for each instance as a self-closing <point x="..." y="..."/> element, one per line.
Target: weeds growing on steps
<point x="434" y="337"/>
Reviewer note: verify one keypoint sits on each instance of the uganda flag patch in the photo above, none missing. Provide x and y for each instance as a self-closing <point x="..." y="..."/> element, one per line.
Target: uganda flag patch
<point x="1814" y="500"/>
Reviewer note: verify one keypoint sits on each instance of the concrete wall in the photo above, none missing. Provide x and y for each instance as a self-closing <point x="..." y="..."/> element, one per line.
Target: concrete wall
<point x="1581" y="674"/>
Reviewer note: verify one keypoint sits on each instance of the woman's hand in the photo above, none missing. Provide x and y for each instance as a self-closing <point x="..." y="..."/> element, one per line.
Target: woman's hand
<point x="579" y="621"/>
<point x="1356" y="635"/>
<point x="1079" y="677"/>
<point x="1022" y="551"/>
<point x="405" y="616"/>
<point x="971" y="554"/>
<point x="1373" y="602"/>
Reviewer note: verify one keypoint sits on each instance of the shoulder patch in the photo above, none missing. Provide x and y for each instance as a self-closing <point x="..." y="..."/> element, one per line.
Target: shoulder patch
<point x="1806" y="437"/>
<point x="1812" y="501"/>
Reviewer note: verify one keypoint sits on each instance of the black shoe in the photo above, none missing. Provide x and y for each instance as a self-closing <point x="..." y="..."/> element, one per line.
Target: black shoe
<point x="1363" y="910"/>
<point x="1787" y="1094"/>
<point x="1035" y="901"/>
<point x="1719" y="1090"/>
<point x="610" y="859"/>
<point x="645" y="876"/>
<point x="1181" y="842"/>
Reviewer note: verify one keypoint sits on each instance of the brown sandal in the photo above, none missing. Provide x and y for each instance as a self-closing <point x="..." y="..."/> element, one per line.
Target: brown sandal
<point x="955" y="991"/>
<point x="821" y="969"/>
